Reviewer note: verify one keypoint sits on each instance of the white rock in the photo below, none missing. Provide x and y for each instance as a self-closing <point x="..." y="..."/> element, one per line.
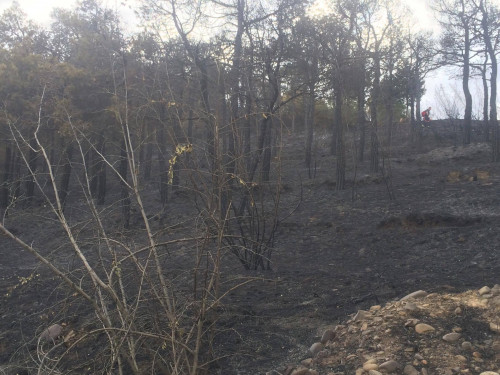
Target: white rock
<point x="495" y="327"/>
<point x="489" y="373"/>
<point x="371" y="364"/>
<point x="417" y="294"/>
<point x="484" y="290"/>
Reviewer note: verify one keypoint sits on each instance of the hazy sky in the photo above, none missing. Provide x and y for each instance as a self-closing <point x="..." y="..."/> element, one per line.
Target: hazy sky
<point x="39" y="10"/>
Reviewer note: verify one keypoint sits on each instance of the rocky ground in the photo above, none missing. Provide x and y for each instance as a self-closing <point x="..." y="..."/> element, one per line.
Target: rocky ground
<point x="422" y="333"/>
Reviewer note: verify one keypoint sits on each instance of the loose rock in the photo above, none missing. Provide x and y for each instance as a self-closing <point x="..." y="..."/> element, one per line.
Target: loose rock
<point x="410" y="306"/>
<point x="424" y="328"/>
<point x="371" y="364"/>
<point x="328" y="335"/>
<point x="484" y="290"/>
<point x="410" y="370"/>
<point x="389" y="366"/>
<point x="466" y="345"/>
<point x="52" y="333"/>
<point x="452" y="337"/>
<point x="316" y="348"/>
<point x="361" y="315"/>
<point x="417" y="294"/>
<point x="495" y="327"/>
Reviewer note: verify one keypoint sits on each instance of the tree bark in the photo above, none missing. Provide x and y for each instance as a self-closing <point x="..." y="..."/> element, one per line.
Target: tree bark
<point x="7" y="176"/>
<point x="32" y="164"/>
<point x="341" y="162"/>
<point x="66" y="174"/>
<point x="465" y="84"/>
<point x="124" y="192"/>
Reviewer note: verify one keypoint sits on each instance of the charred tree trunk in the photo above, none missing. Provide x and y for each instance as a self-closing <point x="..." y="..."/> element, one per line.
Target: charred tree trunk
<point x="7" y="176"/>
<point x="340" y="170"/>
<point x="66" y="174"/>
<point x="493" y="85"/>
<point x="361" y="122"/>
<point x="266" y="159"/>
<point x="32" y="164"/>
<point x="486" y="95"/>
<point x="98" y="171"/>
<point x="374" y="149"/>
<point x="147" y="162"/>
<point x="309" y="106"/>
<point x="163" y="168"/>
<point x="465" y="86"/>
<point x="124" y="192"/>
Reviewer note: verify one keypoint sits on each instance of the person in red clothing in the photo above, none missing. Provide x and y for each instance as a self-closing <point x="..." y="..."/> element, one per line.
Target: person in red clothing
<point x="426" y="115"/>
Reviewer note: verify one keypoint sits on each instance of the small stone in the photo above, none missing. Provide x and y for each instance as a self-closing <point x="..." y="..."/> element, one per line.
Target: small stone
<point x="424" y="371"/>
<point x="361" y="315"/>
<point x="417" y="294"/>
<point x="410" y="306"/>
<point x="424" y="328"/>
<point x="316" y="348"/>
<point x="476" y="355"/>
<point x="374" y="372"/>
<point x="484" y="290"/>
<point x="328" y="335"/>
<point x="495" y="327"/>
<point x="495" y="301"/>
<point x="307" y="362"/>
<point x="371" y="364"/>
<point x="375" y="308"/>
<point x="461" y="358"/>
<point x="350" y="357"/>
<point x="466" y="345"/>
<point x="359" y="371"/>
<point x="410" y="370"/>
<point x="389" y="366"/>
<point x="496" y="346"/>
<point x="419" y="357"/>
<point x="300" y="371"/>
<point x="452" y="337"/>
<point x="489" y="373"/>
<point x="52" y="333"/>
<point x="458" y="311"/>
<point x="411" y="322"/>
